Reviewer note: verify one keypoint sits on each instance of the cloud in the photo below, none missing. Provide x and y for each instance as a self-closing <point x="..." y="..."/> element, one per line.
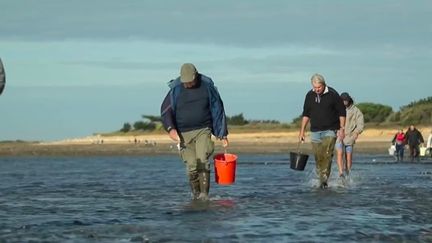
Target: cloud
<point x="84" y="62"/>
<point x="126" y="62"/>
<point x="239" y="23"/>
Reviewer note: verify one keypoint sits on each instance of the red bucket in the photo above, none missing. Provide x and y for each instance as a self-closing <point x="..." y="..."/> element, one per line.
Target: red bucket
<point x="225" y="167"/>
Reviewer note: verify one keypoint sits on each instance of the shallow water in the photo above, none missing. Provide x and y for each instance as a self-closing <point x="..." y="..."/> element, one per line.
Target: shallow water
<point x="146" y="199"/>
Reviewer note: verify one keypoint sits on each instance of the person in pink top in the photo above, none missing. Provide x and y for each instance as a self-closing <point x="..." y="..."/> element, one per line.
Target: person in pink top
<point x="399" y="140"/>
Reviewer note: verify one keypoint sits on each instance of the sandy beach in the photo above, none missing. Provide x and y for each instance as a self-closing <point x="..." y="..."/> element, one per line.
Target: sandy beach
<point x="374" y="141"/>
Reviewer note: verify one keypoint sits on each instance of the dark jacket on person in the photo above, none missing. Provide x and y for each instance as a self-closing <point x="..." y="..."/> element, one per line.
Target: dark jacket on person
<point x="169" y="106"/>
<point x="414" y="137"/>
<point x="2" y="77"/>
<point x="324" y="110"/>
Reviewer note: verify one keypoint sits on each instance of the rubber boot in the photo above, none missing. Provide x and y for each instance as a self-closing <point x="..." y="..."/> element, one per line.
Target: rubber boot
<point x="204" y="181"/>
<point x="194" y="184"/>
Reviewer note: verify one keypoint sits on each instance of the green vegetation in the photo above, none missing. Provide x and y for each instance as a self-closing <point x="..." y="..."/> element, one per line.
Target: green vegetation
<point x="237" y="120"/>
<point x="425" y="101"/>
<point x="18" y="141"/>
<point x="149" y="124"/>
<point x="374" y="112"/>
<point x="417" y="113"/>
<point x="126" y="127"/>
<point x="144" y="126"/>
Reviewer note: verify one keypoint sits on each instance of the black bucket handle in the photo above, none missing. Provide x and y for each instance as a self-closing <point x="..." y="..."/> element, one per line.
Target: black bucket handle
<point x="298" y="150"/>
<point x="298" y="145"/>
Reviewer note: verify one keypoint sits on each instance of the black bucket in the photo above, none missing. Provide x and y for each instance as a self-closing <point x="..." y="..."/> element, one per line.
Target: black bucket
<point x="298" y="160"/>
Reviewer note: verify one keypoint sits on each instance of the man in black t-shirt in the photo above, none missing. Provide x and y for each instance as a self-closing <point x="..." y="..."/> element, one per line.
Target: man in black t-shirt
<point x="325" y="111"/>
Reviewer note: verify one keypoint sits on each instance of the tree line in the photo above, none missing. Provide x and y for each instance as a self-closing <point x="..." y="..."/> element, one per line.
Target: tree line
<point x="417" y="112"/>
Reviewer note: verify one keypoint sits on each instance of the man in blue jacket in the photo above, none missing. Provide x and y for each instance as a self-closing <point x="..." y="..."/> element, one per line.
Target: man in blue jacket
<point x="191" y="112"/>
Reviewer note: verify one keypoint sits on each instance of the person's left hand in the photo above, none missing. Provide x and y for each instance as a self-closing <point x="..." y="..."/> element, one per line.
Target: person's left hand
<point x="356" y="136"/>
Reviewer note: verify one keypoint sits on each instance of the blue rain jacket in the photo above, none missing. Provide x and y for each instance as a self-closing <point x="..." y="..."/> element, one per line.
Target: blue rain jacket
<point x="168" y="107"/>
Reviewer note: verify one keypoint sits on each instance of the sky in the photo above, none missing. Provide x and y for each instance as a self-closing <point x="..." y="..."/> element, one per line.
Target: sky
<point x="75" y="68"/>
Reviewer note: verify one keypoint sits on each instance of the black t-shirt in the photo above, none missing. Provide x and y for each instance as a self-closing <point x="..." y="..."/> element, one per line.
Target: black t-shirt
<point x="324" y="110"/>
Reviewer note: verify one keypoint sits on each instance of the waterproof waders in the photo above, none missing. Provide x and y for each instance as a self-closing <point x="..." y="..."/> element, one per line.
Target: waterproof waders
<point x="196" y="150"/>
<point x="204" y="181"/>
<point x="323" y="152"/>
<point x="194" y="182"/>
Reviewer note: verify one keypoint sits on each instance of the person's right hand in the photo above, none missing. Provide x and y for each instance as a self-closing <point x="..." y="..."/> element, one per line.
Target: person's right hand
<point x="301" y="137"/>
<point x="174" y="135"/>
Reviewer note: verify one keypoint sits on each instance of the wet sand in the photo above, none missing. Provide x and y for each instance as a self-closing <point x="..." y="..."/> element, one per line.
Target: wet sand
<point x="372" y="141"/>
<point x="159" y="144"/>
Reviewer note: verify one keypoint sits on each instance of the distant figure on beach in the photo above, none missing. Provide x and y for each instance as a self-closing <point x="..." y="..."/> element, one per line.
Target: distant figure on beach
<point x="2" y="77"/>
<point x="354" y="125"/>
<point x="191" y="112"/>
<point x="399" y="140"/>
<point x="325" y="111"/>
<point x="429" y="144"/>
<point x="414" y="138"/>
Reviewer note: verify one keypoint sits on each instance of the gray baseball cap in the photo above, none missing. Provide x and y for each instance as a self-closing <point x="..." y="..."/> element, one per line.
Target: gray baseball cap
<point x="187" y="73"/>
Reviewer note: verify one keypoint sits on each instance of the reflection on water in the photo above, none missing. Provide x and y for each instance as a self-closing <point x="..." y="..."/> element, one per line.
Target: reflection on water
<point x="146" y="199"/>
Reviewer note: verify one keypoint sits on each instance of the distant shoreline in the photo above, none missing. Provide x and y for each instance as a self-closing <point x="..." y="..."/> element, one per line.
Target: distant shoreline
<point x="372" y="141"/>
<point x="35" y="149"/>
